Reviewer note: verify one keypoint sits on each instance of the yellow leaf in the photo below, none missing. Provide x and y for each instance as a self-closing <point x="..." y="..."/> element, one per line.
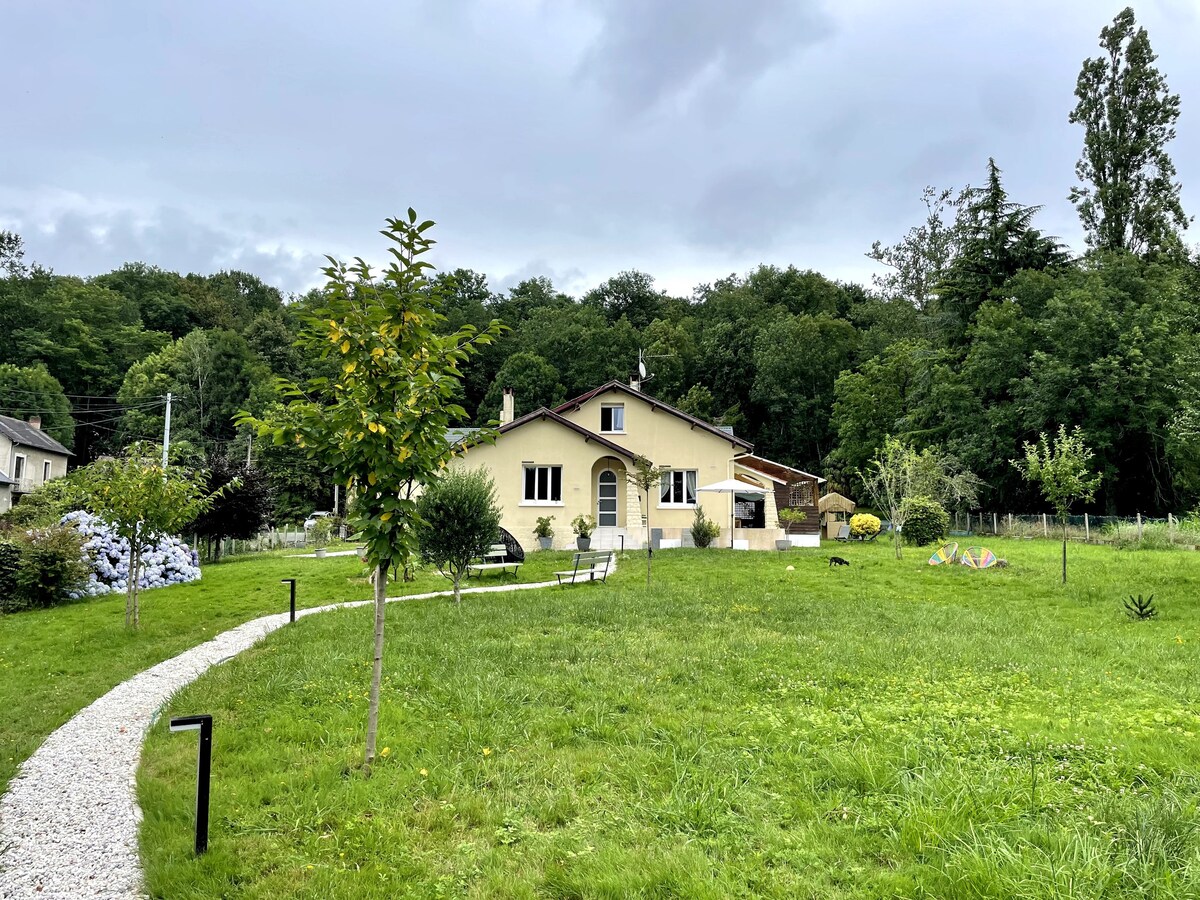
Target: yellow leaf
<point x="349" y="367"/>
<point x="377" y="352"/>
<point x="385" y="517"/>
<point x="371" y="479"/>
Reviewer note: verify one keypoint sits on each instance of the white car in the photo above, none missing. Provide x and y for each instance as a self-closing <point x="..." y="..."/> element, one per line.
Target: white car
<point x="312" y="519"/>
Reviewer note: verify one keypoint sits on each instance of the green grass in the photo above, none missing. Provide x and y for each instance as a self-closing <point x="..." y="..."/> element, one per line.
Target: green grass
<point x="55" y="662"/>
<point x="887" y="730"/>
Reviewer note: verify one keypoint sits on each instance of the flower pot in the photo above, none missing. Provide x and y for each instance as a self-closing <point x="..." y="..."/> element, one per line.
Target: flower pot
<point x="320" y="552"/>
<point x="783" y="544"/>
<point x="583" y="543"/>
<point x="546" y="543"/>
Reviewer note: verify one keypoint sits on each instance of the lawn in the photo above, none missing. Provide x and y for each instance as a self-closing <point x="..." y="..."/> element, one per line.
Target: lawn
<point x="55" y="662"/>
<point x="886" y="730"/>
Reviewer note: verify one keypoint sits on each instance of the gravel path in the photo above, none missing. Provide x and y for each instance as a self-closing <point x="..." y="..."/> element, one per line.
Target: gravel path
<point x="69" y="822"/>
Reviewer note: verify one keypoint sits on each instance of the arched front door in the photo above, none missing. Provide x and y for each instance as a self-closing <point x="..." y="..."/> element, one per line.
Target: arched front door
<point x="606" y="505"/>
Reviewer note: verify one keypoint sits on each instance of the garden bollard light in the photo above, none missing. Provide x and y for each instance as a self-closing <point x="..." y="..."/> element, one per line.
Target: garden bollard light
<point x="203" y="724"/>
<point x="292" y="582"/>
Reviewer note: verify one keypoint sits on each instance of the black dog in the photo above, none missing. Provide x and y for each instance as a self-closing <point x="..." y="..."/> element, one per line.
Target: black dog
<point x="838" y="561"/>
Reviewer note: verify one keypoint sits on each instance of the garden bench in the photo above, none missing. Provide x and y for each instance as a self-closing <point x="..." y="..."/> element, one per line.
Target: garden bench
<point x="591" y="564"/>
<point x="494" y="559"/>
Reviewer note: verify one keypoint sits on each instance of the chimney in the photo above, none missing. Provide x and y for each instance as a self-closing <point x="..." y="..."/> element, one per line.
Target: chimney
<point x="506" y="411"/>
<point x="635" y="384"/>
<point x="36" y="422"/>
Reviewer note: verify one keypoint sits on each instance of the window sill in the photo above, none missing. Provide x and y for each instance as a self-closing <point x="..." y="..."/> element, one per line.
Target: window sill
<point x="677" y="506"/>
<point x="541" y="503"/>
<point x="612" y="432"/>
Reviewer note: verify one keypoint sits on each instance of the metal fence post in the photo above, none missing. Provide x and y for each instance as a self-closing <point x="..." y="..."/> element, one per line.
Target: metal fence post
<point x="1087" y="531"/>
<point x="1139" y="525"/>
<point x="1045" y="528"/>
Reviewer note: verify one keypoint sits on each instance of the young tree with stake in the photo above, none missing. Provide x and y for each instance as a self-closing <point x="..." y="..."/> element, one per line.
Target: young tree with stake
<point x="380" y="423"/>
<point x="646" y="477"/>
<point x="142" y="501"/>
<point x="1063" y="471"/>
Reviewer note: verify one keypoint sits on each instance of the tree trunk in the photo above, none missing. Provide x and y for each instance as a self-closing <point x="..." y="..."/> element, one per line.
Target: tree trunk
<point x="649" y="547"/>
<point x="1064" y="581"/>
<point x="377" y="668"/>
<point x="131" y="584"/>
<point x="458" y="587"/>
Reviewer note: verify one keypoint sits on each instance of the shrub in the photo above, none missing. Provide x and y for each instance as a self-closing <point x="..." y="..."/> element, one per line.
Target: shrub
<point x="166" y="561"/>
<point x="583" y="525"/>
<point x="789" y="517"/>
<point x="44" y="506"/>
<point x="321" y="532"/>
<point x="457" y="518"/>
<point x="10" y="563"/>
<point x="704" y="529"/>
<point x="864" y="525"/>
<point x="925" y="521"/>
<point x="542" y="529"/>
<point x="41" y="567"/>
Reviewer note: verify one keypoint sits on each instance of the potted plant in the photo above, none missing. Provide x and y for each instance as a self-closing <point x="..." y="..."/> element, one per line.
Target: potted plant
<point x="787" y="518"/>
<point x="320" y="533"/>
<point x="543" y="532"/>
<point x="583" y="526"/>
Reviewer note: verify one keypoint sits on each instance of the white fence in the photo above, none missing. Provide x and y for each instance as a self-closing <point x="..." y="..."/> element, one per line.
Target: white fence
<point x="1086" y="527"/>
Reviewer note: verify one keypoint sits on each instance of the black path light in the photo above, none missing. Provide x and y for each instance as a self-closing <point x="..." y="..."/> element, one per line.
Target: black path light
<point x="292" y="582"/>
<point x="203" y="724"/>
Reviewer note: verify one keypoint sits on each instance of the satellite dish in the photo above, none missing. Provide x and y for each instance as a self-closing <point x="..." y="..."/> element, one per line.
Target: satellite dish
<point x="642" y="369"/>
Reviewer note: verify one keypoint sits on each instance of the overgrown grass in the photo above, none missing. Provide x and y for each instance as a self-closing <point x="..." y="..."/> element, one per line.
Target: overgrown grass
<point x="887" y="730"/>
<point x="54" y="662"/>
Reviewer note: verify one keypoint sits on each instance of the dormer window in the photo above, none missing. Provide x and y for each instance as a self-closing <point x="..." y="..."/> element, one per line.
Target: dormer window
<point x="612" y="417"/>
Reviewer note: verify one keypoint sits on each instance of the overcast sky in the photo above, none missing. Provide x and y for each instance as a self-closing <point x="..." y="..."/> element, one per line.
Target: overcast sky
<point x="571" y="138"/>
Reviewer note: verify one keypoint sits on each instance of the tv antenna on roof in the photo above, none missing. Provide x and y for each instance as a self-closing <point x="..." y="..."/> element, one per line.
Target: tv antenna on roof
<point x="645" y="374"/>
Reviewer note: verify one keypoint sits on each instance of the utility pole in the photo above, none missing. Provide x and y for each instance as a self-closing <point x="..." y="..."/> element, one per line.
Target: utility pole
<point x="167" y="431"/>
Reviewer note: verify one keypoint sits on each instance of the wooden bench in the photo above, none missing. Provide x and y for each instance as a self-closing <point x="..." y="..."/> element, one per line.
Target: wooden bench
<point x="591" y="564"/>
<point x="493" y="560"/>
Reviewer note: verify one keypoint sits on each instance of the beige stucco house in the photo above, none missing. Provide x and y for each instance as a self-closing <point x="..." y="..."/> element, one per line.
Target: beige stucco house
<point x="575" y="459"/>
<point x="28" y="458"/>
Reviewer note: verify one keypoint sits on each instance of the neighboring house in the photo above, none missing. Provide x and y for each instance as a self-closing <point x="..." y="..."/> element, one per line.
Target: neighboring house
<point x="28" y="458"/>
<point x="575" y="459"/>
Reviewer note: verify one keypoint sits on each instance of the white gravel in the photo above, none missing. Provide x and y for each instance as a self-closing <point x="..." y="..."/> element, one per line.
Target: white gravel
<point x="69" y="822"/>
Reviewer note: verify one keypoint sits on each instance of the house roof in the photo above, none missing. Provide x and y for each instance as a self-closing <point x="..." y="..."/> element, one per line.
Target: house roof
<point x="835" y="502"/>
<point x="773" y="470"/>
<point x="620" y="386"/>
<point x="541" y="414"/>
<point x="26" y="435"/>
<point x="4" y="479"/>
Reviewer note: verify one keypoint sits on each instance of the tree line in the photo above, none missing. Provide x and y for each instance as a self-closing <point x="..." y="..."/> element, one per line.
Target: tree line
<point x="982" y="333"/>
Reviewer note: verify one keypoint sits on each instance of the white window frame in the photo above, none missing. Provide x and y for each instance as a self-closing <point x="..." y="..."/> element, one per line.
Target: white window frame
<point x="615" y="411"/>
<point x="546" y="500"/>
<point x="45" y="470"/>
<point x="20" y="463"/>
<point x="681" y="480"/>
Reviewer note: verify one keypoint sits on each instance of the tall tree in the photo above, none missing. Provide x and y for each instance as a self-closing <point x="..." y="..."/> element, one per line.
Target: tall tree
<point x="33" y="391"/>
<point x="919" y="260"/>
<point x="381" y="423"/>
<point x="1130" y="198"/>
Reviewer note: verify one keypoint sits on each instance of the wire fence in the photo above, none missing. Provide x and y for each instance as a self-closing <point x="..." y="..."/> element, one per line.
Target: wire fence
<point x="1116" y="530"/>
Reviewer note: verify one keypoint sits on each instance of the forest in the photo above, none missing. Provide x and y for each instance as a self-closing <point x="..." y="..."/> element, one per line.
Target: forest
<point x="980" y="333"/>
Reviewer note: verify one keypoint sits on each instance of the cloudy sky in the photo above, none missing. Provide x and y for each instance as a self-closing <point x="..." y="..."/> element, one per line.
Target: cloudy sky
<point x="573" y="138"/>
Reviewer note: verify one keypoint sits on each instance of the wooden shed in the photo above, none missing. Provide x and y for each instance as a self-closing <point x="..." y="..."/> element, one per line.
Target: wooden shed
<point x="836" y="511"/>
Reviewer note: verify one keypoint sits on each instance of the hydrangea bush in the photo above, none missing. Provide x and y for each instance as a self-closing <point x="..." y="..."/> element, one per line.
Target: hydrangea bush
<point x="167" y="561"/>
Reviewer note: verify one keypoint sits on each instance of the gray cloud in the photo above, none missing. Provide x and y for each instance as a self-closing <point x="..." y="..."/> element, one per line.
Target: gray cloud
<point x="686" y="139"/>
<point x="653" y="49"/>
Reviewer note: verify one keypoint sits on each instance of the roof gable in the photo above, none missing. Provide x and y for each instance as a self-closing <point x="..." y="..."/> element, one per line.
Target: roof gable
<point x="26" y="435"/>
<point x="654" y="403"/>
<point x="542" y="414"/>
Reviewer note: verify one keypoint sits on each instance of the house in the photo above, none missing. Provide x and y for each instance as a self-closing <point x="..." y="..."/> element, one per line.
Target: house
<point x="28" y="458"/>
<point x="574" y="460"/>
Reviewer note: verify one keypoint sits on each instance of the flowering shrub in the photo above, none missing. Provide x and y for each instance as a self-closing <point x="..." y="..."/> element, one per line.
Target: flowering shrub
<point x="167" y="561"/>
<point x="864" y="525"/>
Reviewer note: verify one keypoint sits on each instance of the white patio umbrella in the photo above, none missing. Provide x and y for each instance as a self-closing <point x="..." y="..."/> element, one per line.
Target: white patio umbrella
<point x="732" y="486"/>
